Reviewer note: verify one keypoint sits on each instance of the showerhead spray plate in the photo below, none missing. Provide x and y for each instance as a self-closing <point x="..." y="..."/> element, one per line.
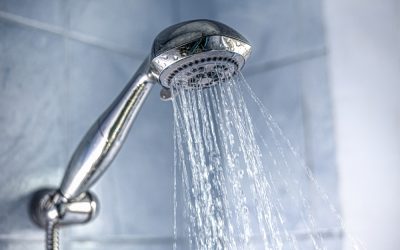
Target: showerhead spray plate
<point x="198" y="54"/>
<point x="201" y="70"/>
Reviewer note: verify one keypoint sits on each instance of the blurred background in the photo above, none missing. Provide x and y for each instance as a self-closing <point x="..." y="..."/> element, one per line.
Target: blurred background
<point x="329" y="72"/>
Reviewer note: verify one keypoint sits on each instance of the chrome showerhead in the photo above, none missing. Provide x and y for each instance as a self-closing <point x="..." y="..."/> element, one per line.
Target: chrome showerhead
<point x="198" y="54"/>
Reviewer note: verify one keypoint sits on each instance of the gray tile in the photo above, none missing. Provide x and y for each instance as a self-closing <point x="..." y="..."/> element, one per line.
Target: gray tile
<point x="320" y="138"/>
<point x="33" y="148"/>
<point x="21" y="245"/>
<point x="311" y="32"/>
<point x="48" y="11"/>
<point x="132" y="25"/>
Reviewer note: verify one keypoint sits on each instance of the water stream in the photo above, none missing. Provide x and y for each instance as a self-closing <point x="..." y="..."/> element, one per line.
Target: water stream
<point x="238" y="186"/>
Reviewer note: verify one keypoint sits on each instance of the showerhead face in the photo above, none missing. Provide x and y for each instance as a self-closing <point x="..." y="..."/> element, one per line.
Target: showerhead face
<point x="198" y="54"/>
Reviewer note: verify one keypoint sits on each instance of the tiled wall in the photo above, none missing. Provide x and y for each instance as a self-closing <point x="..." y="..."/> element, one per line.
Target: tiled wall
<point x="63" y="61"/>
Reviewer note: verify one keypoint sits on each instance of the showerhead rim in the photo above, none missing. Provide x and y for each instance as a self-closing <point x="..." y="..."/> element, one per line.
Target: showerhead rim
<point x="196" y="42"/>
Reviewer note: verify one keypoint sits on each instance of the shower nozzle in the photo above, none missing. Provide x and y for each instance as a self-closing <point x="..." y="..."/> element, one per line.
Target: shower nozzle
<point x="198" y="54"/>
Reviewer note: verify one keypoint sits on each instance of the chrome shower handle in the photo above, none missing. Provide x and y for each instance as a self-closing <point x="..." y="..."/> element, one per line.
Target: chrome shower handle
<point x="102" y="142"/>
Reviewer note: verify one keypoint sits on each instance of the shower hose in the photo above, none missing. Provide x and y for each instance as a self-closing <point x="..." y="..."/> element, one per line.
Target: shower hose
<point x="52" y="235"/>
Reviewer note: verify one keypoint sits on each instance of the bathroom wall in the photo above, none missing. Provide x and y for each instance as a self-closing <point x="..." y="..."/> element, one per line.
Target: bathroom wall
<point x="364" y="42"/>
<point x="63" y="61"/>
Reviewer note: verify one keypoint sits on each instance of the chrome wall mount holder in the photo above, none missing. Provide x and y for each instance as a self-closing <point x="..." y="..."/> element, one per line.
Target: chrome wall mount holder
<point x="50" y="210"/>
<point x="48" y="205"/>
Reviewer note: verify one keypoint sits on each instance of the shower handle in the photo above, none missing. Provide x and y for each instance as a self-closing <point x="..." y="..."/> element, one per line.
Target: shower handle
<point x="102" y="142"/>
<point x="72" y="203"/>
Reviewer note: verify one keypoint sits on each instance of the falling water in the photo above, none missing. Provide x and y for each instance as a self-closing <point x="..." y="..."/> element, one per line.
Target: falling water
<point x="241" y="186"/>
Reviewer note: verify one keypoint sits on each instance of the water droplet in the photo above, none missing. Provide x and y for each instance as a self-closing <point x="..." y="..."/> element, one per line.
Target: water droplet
<point x="241" y="173"/>
<point x="205" y="174"/>
<point x="231" y="139"/>
<point x="165" y="56"/>
<point x="238" y="43"/>
<point x="176" y="58"/>
<point x="218" y="203"/>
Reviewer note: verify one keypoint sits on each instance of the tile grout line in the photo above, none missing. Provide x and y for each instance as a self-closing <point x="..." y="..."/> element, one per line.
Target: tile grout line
<point x="67" y="75"/>
<point x="329" y="233"/>
<point x="73" y="35"/>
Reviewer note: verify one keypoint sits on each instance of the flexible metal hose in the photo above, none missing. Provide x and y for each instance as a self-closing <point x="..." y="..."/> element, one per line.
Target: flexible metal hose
<point x="52" y="235"/>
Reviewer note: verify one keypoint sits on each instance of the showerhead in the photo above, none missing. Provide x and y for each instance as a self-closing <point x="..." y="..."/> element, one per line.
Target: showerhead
<point x="198" y="54"/>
